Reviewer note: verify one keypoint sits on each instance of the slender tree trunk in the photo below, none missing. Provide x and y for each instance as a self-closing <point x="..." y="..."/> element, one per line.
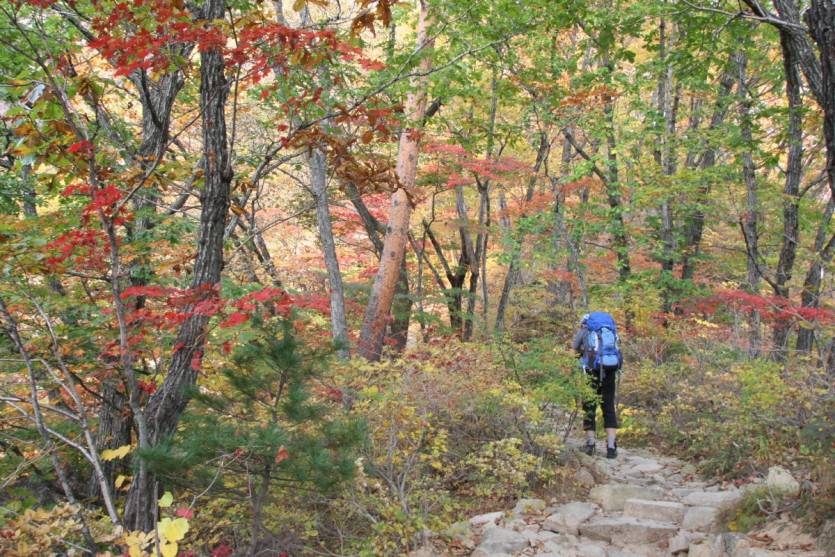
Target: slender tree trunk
<point x="468" y="262"/>
<point x="258" y="500"/>
<point x="791" y="198"/>
<point x="665" y="159"/>
<point x="484" y="222"/>
<point x="167" y="404"/>
<point x="317" y="164"/>
<point x="812" y="284"/>
<point x="561" y="290"/>
<point x="115" y="427"/>
<point x="694" y="228"/>
<point x="452" y="292"/>
<point x="620" y="238"/>
<point x="401" y="310"/>
<point x="156" y="99"/>
<point x="382" y="294"/>
<point x="821" y="21"/>
<point x="513" y="270"/>
<point x="751" y="217"/>
<point x="819" y="71"/>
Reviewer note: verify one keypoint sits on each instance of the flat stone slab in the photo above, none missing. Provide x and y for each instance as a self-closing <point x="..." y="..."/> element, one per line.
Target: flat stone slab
<point x="643" y="466"/>
<point x="502" y="540"/>
<point x="717" y="499"/>
<point x="613" y="497"/>
<point x="663" y="511"/>
<point x="699" y="518"/>
<point x="628" y="530"/>
<point x="684" y="491"/>
<point x="567" y="518"/>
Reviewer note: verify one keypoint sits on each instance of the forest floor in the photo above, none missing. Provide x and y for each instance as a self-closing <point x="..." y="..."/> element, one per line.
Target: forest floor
<point x="639" y="504"/>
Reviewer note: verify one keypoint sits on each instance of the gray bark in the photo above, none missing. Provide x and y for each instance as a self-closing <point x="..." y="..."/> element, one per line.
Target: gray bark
<point x="318" y="165"/>
<point x="695" y="222"/>
<point x="791" y="198"/>
<point x="810" y="297"/>
<point x="167" y="405"/>
<point x="513" y="268"/>
<point x="751" y="219"/>
<point x="665" y="156"/>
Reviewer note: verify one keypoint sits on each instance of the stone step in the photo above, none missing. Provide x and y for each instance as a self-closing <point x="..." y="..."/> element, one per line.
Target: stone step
<point x="717" y="499"/>
<point x="567" y="518"/>
<point x="613" y="497"/>
<point x="663" y="511"/>
<point x="627" y="530"/>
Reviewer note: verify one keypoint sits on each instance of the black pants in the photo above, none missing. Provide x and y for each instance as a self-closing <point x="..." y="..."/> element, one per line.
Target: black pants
<point x="605" y="390"/>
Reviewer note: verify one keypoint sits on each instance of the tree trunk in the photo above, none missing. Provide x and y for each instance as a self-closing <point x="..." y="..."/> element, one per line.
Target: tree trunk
<point x="382" y="294"/>
<point x="167" y="404"/>
<point x="401" y="311"/>
<point x="811" y="286"/>
<point x="115" y="427"/>
<point x="318" y="166"/>
<point x="482" y="241"/>
<point x="468" y="262"/>
<point x="694" y="228"/>
<point x="665" y="159"/>
<point x="791" y="198"/>
<point x="515" y="259"/>
<point x="453" y="292"/>
<point x="751" y="217"/>
<point x="821" y="21"/>
<point x="819" y="71"/>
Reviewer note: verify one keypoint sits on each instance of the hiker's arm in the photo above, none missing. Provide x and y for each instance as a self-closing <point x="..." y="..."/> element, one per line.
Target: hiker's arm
<point x="578" y="343"/>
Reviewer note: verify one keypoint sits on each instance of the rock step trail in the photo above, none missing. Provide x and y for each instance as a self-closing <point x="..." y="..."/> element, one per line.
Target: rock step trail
<point x="640" y="505"/>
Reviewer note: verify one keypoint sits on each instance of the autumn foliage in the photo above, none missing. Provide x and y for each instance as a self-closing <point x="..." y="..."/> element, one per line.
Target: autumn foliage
<point x="194" y="194"/>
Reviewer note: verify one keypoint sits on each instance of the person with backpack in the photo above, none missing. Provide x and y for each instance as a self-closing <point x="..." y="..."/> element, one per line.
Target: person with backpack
<point x="596" y="344"/>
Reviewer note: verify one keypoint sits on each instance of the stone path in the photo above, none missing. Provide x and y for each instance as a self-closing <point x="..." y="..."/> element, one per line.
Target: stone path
<point x="638" y="505"/>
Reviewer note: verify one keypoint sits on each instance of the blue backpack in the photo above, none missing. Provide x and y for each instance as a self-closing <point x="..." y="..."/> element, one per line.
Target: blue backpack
<point x="603" y="343"/>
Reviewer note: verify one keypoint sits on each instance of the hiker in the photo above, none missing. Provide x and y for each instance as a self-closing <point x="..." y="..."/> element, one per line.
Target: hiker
<point x="602" y="366"/>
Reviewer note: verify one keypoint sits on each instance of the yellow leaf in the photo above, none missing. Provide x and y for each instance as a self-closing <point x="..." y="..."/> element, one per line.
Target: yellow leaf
<point x="120" y="479"/>
<point x="298" y="5"/>
<point x="166" y="500"/>
<point x="135" y="551"/>
<point x="168" y="550"/>
<point x="110" y="454"/>
<point x="176" y="530"/>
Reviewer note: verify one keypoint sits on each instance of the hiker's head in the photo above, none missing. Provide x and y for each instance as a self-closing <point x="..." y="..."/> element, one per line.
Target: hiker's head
<point x="584" y="319"/>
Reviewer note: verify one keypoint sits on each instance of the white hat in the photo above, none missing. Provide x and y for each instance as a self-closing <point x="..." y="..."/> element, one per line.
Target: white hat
<point x="584" y="319"/>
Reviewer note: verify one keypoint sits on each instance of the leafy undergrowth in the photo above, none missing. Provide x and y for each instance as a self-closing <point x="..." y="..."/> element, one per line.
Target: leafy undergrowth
<point x="453" y="429"/>
<point x="704" y="400"/>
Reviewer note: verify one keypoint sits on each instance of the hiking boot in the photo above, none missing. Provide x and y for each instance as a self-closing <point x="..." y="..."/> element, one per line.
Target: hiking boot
<point x="589" y="449"/>
<point x="612" y="452"/>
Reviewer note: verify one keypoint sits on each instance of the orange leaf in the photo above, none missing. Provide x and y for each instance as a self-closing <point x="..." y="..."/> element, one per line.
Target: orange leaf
<point x="282" y="454"/>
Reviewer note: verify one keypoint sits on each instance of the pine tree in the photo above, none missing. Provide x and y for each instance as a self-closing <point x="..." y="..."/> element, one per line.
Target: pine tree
<point x="262" y="433"/>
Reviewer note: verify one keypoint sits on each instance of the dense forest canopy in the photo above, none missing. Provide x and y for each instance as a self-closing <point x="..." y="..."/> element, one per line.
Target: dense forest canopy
<point x="258" y="256"/>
